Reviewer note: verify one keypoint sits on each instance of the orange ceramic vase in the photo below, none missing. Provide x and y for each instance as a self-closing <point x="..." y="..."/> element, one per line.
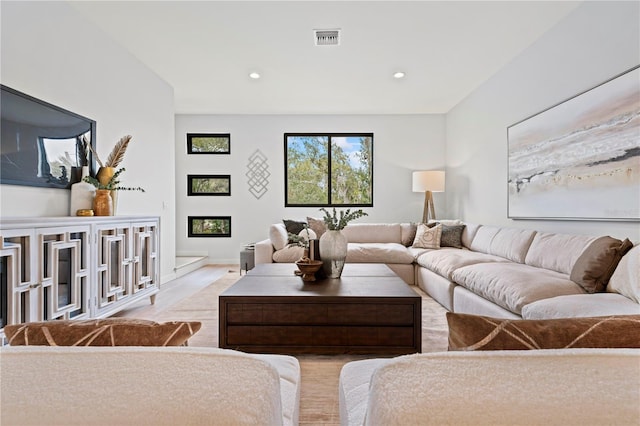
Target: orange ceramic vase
<point x="102" y="204"/>
<point x="104" y="175"/>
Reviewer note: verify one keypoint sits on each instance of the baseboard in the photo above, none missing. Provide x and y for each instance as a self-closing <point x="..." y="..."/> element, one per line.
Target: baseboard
<point x="184" y="264"/>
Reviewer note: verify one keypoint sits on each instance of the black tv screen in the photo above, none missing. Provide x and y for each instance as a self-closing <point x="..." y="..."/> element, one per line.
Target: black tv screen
<point x="42" y="144"/>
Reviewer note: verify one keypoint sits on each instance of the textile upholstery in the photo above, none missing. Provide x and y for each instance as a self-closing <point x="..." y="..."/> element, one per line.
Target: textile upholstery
<point x="101" y="332"/>
<point x="475" y="332"/>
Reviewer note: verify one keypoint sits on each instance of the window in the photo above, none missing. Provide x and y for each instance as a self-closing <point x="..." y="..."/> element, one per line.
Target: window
<point x="328" y="169"/>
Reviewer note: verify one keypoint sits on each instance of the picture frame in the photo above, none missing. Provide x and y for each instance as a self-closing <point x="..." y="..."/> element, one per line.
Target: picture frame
<point x="208" y="185"/>
<point x="209" y="143"/>
<point x="209" y="226"/>
<point x="579" y="159"/>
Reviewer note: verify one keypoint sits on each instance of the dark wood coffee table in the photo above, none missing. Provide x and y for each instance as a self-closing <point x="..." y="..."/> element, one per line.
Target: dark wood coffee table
<point x="369" y="310"/>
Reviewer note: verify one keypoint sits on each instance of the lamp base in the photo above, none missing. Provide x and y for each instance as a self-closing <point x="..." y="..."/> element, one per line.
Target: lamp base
<point x="429" y="211"/>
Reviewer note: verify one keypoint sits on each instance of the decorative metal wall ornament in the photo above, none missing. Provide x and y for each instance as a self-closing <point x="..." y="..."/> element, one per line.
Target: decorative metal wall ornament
<point x="258" y="174"/>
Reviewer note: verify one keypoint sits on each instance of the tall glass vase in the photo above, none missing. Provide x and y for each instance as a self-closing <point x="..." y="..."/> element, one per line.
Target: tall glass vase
<point x="333" y="252"/>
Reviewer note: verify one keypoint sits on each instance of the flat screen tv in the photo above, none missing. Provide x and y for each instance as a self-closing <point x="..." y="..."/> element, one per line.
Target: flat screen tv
<point x="42" y="144"/>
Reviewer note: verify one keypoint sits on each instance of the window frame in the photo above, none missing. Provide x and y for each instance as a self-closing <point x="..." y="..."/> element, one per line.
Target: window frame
<point x="329" y="171"/>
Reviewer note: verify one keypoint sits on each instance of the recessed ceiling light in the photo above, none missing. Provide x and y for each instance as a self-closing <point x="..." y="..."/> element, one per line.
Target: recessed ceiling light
<point x="398" y="74"/>
<point x="254" y="75"/>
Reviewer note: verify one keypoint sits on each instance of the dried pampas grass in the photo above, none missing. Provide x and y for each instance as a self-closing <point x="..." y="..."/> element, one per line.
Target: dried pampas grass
<point x="117" y="153"/>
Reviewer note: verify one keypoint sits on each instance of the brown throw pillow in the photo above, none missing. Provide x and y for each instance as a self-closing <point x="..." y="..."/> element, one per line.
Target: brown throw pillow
<point x="101" y="332"/>
<point x="474" y="332"/>
<point x="317" y="225"/>
<point x="597" y="262"/>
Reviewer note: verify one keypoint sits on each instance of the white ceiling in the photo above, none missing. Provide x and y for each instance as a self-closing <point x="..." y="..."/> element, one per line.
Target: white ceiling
<point x="206" y="49"/>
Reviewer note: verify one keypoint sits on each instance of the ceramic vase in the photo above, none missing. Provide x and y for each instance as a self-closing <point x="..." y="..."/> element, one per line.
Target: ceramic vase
<point x="102" y="203"/>
<point x="104" y="175"/>
<point x="82" y="194"/>
<point x="333" y="252"/>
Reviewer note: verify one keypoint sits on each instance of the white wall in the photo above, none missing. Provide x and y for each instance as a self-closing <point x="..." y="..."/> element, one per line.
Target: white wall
<point x="51" y="52"/>
<point x="594" y="43"/>
<point x="402" y="144"/>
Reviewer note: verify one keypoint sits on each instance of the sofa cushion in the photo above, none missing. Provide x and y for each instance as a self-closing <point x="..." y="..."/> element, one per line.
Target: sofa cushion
<point x="373" y="233"/>
<point x="625" y="279"/>
<point x="474" y="332"/>
<point x="378" y="253"/>
<point x="408" y="233"/>
<point x="482" y="240"/>
<point x="581" y="305"/>
<point x="513" y="285"/>
<point x="511" y="243"/>
<point x="416" y="252"/>
<point x="101" y="332"/>
<point x="597" y="262"/>
<point x="557" y="252"/>
<point x="288" y="254"/>
<point x="428" y="236"/>
<point x="446" y="260"/>
<point x="278" y="236"/>
<point x="469" y="233"/>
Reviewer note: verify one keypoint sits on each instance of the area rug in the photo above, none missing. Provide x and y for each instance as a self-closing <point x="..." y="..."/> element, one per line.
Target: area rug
<point x="319" y="387"/>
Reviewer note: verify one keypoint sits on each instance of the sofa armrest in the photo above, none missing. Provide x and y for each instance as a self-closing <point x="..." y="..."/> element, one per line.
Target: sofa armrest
<point x="263" y="252"/>
<point x="129" y="385"/>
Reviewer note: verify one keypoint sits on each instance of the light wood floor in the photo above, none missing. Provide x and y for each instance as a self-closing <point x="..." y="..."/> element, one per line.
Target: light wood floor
<point x="194" y="297"/>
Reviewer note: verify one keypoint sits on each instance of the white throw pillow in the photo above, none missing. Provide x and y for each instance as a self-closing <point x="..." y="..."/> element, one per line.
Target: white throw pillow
<point x="625" y="279"/>
<point x="428" y="237"/>
<point x="307" y="234"/>
<point x="278" y="236"/>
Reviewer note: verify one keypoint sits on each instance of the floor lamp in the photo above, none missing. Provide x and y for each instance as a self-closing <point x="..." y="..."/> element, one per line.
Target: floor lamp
<point x="428" y="182"/>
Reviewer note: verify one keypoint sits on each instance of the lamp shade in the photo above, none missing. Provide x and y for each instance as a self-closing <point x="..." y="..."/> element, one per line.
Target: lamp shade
<point x="432" y="180"/>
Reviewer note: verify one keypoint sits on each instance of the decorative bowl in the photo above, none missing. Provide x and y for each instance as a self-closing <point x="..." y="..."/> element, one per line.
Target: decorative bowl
<point x="308" y="269"/>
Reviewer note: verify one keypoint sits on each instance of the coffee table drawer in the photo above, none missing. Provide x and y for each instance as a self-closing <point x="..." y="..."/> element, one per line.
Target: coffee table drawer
<point x="248" y="335"/>
<point x="324" y="313"/>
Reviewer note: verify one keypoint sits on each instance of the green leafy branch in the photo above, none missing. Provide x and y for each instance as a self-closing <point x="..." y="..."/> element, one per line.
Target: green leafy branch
<point x="113" y="184"/>
<point x="336" y="222"/>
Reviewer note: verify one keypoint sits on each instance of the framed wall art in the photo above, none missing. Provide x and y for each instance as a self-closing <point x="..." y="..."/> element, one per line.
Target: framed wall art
<point x="580" y="159"/>
<point x="208" y="143"/>
<point x="209" y="185"/>
<point x="209" y="226"/>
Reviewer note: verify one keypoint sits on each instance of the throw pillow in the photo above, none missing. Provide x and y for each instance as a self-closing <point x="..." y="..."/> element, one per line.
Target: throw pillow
<point x="101" y="332"/>
<point x="451" y="236"/>
<point x="596" y="264"/>
<point x="302" y="238"/>
<point x="427" y="237"/>
<point x="317" y="225"/>
<point x="408" y="233"/>
<point x="293" y="226"/>
<point x="475" y="332"/>
<point x="625" y="278"/>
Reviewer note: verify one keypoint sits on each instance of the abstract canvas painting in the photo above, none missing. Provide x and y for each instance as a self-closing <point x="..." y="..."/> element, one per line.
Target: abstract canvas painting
<point x="579" y="159"/>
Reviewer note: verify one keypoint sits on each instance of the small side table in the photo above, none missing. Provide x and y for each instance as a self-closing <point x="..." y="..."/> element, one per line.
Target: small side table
<point x="247" y="258"/>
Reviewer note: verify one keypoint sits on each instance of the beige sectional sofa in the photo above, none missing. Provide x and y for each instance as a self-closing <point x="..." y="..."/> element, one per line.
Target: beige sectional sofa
<point x="500" y="272"/>
<point x="551" y="387"/>
<point x="126" y="385"/>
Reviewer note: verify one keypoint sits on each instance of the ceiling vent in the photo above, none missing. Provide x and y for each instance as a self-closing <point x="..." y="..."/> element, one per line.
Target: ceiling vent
<point x="326" y="37"/>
